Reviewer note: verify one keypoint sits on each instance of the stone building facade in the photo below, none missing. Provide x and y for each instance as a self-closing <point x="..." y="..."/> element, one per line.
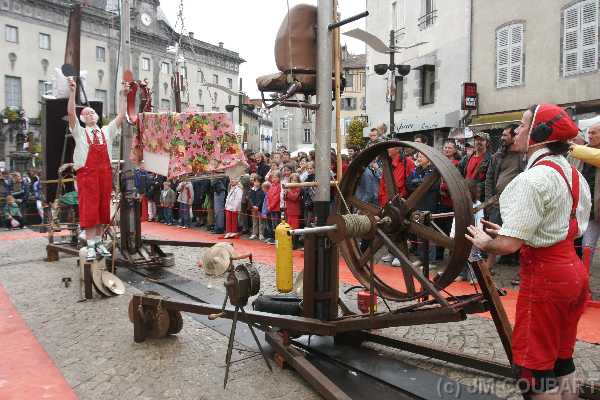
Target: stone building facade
<point x="33" y="45"/>
<point x="524" y="54"/>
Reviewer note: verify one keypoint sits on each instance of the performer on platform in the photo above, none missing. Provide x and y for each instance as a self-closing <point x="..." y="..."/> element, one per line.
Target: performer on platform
<point x="543" y="210"/>
<point x="91" y="160"/>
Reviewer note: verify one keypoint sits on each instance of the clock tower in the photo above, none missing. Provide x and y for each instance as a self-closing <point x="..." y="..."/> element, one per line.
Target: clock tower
<point x="146" y="15"/>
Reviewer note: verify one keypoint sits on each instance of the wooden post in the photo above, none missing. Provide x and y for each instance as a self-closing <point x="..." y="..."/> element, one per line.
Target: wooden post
<point x="337" y="59"/>
<point x="497" y="311"/>
<point x="139" y="328"/>
<point x="87" y="280"/>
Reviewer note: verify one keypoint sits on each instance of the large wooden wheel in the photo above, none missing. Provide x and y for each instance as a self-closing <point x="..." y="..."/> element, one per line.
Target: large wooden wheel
<point x="400" y="222"/>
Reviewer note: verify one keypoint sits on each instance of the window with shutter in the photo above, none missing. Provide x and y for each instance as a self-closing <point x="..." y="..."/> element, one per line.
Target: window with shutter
<point x="502" y="60"/>
<point x="516" y="54"/>
<point x="509" y="56"/>
<point x="589" y="36"/>
<point x="580" y="38"/>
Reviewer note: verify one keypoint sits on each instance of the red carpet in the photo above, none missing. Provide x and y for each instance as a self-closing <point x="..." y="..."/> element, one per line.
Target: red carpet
<point x="23" y="234"/>
<point x="26" y="370"/>
<point x="589" y="326"/>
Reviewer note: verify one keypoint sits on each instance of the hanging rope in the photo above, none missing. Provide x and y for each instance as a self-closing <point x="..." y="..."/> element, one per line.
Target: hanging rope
<point x="290" y="43"/>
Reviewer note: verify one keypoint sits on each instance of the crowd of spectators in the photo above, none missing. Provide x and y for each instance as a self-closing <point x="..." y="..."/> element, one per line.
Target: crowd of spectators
<point x="254" y="203"/>
<point x="17" y="193"/>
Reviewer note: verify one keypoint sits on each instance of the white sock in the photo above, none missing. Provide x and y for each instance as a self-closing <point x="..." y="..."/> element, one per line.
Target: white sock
<point x="91" y="243"/>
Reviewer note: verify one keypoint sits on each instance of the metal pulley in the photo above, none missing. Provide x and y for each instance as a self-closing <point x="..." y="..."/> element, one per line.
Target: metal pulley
<point x="242" y="282"/>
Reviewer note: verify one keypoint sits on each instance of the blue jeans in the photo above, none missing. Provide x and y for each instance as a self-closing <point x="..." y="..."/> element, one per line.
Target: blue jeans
<point x="184" y="214"/>
<point x="274" y="219"/>
<point x="167" y="214"/>
<point x="219" y="206"/>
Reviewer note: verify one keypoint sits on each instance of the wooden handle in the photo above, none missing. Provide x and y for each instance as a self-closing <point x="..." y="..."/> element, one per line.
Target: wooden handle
<point x="242" y="256"/>
<point x="292" y="185"/>
<point x="212" y="317"/>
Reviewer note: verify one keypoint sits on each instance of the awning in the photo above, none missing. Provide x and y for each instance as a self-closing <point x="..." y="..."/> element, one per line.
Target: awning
<point x="495" y="121"/>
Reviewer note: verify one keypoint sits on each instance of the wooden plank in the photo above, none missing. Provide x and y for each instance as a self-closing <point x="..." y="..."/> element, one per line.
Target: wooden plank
<point x="322" y="384"/>
<point x="158" y="242"/>
<point x="299" y="324"/>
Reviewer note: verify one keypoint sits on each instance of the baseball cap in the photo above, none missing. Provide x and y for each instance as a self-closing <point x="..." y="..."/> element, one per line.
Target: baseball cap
<point x="483" y="135"/>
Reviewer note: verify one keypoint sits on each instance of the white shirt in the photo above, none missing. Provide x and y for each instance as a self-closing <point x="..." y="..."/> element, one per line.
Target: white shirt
<point x="233" y="202"/>
<point x="536" y="205"/>
<point x="81" y="144"/>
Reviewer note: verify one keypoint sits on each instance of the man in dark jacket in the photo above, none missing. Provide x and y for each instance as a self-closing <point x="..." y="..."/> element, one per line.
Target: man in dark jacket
<point x="262" y="168"/>
<point x="428" y="202"/>
<point x="592" y="233"/>
<point x="475" y="166"/>
<point x="201" y="190"/>
<point x="504" y="166"/>
<point x="219" y="189"/>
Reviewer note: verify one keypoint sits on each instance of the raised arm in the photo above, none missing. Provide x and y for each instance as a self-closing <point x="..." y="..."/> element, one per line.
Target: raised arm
<point x="71" y="104"/>
<point x="122" y="104"/>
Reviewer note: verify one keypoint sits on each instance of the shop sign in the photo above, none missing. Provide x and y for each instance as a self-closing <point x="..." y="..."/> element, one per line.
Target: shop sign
<point x="469" y="91"/>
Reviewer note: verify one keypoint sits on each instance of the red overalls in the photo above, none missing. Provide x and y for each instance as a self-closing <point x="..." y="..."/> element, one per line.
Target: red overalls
<point x="552" y="296"/>
<point x="94" y="184"/>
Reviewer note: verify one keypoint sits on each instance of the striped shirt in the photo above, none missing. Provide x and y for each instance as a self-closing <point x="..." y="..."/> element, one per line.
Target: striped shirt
<point x="81" y="145"/>
<point x="536" y="205"/>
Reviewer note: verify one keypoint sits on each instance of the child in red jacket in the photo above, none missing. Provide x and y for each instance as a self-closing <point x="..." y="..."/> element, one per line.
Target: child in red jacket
<point x="293" y="203"/>
<point x="273" y="205"/>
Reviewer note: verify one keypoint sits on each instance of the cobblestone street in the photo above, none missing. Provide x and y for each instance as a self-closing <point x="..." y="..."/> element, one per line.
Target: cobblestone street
<point x="92" y="342"/>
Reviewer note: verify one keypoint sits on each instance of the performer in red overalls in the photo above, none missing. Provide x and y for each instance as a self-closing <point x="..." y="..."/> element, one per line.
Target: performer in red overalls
<point x="543" y="210"/>
<point x="91" y="161"/>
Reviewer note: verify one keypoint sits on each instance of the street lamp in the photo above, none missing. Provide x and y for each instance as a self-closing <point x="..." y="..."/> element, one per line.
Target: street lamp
<point x="380" y="69"/>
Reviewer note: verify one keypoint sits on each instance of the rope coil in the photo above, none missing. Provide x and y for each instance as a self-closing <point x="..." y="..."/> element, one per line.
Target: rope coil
<point x="357" y="225"/>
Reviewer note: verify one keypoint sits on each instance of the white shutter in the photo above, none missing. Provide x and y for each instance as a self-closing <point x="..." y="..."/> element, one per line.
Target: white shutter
<point x="571" y="40"/>
<point x="516" y="55"/>
<point x="589" y="36"/>
<point x="502" y="57"/>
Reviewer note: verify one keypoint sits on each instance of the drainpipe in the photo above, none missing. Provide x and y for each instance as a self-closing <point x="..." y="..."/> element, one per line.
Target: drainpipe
<point x="469" y="45"/>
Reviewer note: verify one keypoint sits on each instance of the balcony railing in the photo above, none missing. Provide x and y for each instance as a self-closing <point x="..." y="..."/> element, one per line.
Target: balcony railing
<point x="427" y="20"/>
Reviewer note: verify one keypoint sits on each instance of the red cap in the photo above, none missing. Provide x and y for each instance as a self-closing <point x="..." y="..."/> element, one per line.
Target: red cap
<point x="551" y="123"/>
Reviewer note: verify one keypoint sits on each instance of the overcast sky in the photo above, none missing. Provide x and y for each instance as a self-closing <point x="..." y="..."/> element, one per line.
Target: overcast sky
<point x="249" y="28"/>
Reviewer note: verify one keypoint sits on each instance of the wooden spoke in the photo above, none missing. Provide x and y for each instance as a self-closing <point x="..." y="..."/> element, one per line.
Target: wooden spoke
<point x="431" y="234"/>
<point x="373" y="248"/>
<point x="388" y="175"/>
<point x="422" y="189"/>
<point x="406" y="272"/>
<point x="406" y="263"/>
<point x="366" y="208"/>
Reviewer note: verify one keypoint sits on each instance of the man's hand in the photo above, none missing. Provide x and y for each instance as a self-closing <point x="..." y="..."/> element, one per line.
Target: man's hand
<point x="72" y="84"/>
<point x="125" y="88"/>
<point x="123" y="106"/>
<point x="478" y="237"/>
<point x="491" y="228"/>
